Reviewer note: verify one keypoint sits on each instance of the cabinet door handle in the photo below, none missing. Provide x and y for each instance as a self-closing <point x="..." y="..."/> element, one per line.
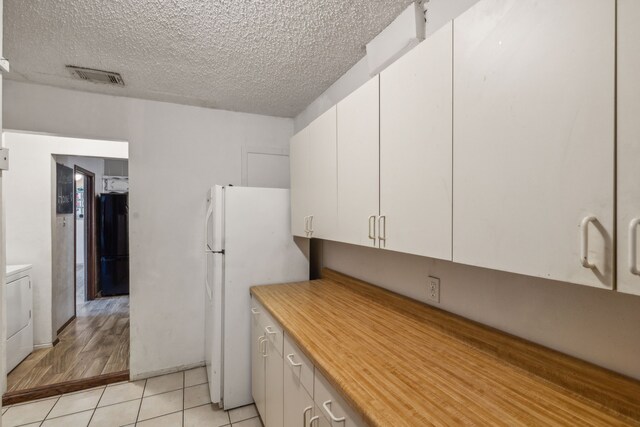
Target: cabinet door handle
<point x="316" y="418"/>
<point x="584" y="242"/>
<point x="261" y="341"/>
<point x="327" y="407"/>
<point x="269" y="330"/>
<point x="290" y="359"/>
<point x="304" y="415"/>
<point x="254" y="311"/>
<point x="382" y="230"/>
<point x="633" y="246"/>
<point x="372" y="228"/>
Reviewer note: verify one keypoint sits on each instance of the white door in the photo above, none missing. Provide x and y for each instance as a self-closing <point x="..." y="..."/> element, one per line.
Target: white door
<point x="213" y="286"/>
<point x="415" y="149"/>
<point x="299" y="156"/>
<point x="258" y="341"/>
<point x="533" y="138"/>
<point x="628" y="146"/>
<point x="358" y="127"/>
<point x="259" y="250"/>
<point x="274" y="387"/>
<point x="323" y="197"/>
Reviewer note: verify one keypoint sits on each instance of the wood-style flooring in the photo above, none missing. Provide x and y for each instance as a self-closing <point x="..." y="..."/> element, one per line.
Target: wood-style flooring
<point x="95" y="343"/>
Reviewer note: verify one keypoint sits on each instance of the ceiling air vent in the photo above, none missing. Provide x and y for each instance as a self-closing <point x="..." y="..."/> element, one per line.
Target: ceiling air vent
<point x="96" y="76"/>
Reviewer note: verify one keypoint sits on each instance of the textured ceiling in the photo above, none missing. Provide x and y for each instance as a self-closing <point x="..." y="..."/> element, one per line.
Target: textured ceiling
<point x="263" y="56"/>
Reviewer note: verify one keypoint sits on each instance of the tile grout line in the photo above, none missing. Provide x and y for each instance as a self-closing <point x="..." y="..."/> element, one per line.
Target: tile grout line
<point x="70" y="413"/>
<point x="141" y="398"/>
<point x="96" y="407"/>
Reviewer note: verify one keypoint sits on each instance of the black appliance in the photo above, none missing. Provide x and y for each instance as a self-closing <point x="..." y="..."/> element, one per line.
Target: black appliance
<point x="113" y="244"/>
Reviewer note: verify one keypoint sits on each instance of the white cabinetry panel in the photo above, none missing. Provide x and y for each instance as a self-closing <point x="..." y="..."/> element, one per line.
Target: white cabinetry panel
<point x="358" y="164"/>
<point x="415" y="149"/>
<point x="314" y="179"/>
<point x="534" y="137"/>
<point x="628" y="145"/>
<point x="300" y="157"/>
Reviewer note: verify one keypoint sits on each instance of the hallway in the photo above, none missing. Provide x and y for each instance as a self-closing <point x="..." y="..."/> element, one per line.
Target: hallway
<point x="95" y="343"/>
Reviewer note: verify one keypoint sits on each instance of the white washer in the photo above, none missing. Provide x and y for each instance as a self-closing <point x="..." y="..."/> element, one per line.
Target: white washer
<point x="19" y="299"/>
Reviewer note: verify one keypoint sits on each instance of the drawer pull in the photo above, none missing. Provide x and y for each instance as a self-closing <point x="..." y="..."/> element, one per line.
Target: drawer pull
<point x="254" y="311"/>
<point x="290" y="359"/>
<point x="270" y="331"/>
<point x="262" y="340"/>
<point x="633" y="246"/>
<point x="327" y="407"/>
<point x="316" y="418"/>
<point x="304" y="415"/>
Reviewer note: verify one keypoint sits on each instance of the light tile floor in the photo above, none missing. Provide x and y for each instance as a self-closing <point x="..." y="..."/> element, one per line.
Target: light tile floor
<point x="173" y="400"/>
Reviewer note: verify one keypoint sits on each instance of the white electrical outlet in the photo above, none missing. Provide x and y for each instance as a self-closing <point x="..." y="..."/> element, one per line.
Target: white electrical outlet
<point x="433" y="289"/>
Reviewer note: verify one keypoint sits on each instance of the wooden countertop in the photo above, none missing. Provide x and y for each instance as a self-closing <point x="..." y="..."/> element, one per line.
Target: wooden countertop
<point x="399" y="362"/>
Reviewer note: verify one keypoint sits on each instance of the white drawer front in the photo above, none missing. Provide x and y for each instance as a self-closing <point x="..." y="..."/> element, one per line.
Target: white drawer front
<point x="19" y="304"/>
<point x="271" y="329"/>
<point x="332" y="406"/>
<point x="300" y="366"/>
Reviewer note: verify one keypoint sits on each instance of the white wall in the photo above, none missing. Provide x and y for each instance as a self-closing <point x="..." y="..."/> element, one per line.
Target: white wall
<point x="175" y="153"/>
<point x="594" y="325"/>
<point x="33" y="226"/>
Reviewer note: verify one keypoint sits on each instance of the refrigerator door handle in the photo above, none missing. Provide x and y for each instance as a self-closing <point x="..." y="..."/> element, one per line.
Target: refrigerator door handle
<point x="206" y="226"/>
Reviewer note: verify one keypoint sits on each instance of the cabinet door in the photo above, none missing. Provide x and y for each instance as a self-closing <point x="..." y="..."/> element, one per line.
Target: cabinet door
<point x="415" y="149"/>
<point x="533" y="138"/>
<point x="257" y="360"/>
<point x="322" y="165"/>
<point x="274" y="387"/>
<point x="299" y="155"/>
<point x="331" y="408"/>
<point x="358" y="164"/>
<point x="298" y="405"/>
<point x="628" y="145"/>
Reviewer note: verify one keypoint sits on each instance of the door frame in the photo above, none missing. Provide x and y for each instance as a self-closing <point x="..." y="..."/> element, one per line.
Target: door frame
<point x="91" y="287"/>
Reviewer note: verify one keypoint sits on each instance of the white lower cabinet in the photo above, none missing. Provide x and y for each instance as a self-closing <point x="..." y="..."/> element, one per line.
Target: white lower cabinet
<point x="287" y="389"/>
<point x="298" y="387"/>
<point x="331" y="408"/>
<point x="258" y="364"/>
<point x="274" y="391"/>
<point x="266" y="366"/>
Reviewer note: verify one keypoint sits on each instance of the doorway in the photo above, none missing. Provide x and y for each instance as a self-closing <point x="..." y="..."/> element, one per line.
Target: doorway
<point x="85" y="259"/>
<point x="88" y="330"/>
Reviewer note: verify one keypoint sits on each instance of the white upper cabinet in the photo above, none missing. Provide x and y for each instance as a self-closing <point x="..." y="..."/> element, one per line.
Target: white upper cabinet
<point x="299" y="155"/>
<point x="314" y="179"/>
<point x="415" y="149"/>
<point x="358" y="164"/>
<point x="628" y="145"/>
<point x="534" y="138"/>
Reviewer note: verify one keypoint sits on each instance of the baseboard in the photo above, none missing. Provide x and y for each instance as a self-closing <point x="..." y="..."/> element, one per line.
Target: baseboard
<point x="66" y="324"/>
<point x="19" y="396"/>
<point x="41" y="346"/>
<point x="149" y="374"/>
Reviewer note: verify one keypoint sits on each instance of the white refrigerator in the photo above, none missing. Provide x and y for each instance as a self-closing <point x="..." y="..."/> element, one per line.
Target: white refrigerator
<point x="248" y="242"/>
